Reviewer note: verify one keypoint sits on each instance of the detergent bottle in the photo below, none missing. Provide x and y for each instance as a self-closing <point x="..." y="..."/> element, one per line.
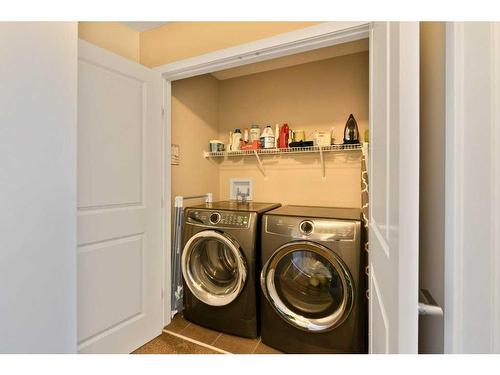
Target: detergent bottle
<point x="284" y="134"/>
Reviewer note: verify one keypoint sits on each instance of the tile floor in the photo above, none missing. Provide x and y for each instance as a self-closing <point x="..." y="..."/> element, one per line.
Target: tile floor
<point x="180" y="332"/>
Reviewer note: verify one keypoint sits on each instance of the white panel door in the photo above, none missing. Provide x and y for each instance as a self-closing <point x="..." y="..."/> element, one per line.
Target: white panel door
<point x="119" y="202"/>
<point x="394" y="187"/>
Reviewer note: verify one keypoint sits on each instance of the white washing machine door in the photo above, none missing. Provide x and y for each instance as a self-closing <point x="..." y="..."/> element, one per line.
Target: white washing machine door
<point x="308" y="285"/>
<point x="213" y="267"/>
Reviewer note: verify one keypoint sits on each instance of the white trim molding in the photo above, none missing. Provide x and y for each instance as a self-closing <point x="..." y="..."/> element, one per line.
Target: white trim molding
<point x="453" y="186"/>
<point x="323" y="35"/>
<point x="495" y="191"/>
<point x="472" y="203"/>
<point x="167" y="199"/>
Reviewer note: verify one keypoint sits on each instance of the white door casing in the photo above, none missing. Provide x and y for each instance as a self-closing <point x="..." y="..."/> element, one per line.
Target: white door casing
<point x="394" y="187"/>
<point x="472" y="204"/>
<point x="120" y="254"/>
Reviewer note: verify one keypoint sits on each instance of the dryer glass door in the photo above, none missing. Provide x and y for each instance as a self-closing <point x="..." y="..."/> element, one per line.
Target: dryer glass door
<point x="213" y="267"/>
<point x="308" y="285"/>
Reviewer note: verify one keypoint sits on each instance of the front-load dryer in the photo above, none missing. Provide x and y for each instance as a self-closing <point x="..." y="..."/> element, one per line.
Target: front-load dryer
<point x="220" y="265"/>
<point x="313" y="281"/>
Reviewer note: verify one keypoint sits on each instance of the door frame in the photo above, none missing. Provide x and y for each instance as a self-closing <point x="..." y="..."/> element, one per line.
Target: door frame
<point x="460" y="280"/>
<point x="310" y="38"/>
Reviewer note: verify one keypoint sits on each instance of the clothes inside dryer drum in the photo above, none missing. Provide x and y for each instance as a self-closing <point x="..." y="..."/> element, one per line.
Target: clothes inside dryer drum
<point x="308" y="284"/>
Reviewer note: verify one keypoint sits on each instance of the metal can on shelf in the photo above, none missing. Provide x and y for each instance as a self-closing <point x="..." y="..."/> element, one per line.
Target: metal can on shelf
<point x="254" y="133"/>
<point x="299" y="135"/>
<point x="215" y="146"/>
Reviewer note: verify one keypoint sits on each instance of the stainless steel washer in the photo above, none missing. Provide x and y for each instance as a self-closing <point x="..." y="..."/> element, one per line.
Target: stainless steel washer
<point x="220" y="265"/>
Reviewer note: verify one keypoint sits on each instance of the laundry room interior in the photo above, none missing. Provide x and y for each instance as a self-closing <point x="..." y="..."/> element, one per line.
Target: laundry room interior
<point x="317" y="96"/>
<point x="249" y="188"/>
<point x="266" y="168"/>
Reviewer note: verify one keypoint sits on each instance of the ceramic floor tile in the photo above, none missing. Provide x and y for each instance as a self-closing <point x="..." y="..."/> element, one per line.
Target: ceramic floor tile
<point x="264" y="349"/>
<point x="170" y="344"/>
<point x="235" y="344"/>
<point x="177" y="324"/>
<point x="202" y="334"/>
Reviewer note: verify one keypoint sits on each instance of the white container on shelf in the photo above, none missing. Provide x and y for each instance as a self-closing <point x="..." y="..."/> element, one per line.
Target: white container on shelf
<point x="333" y="136"/>
<point x="230" y="142"/>
<point x="276" y="135"/>
<point x="235" y="142"/>
<point x="267" y="138"/>
<point x="322" y="138"/>
<point x="254" y="133"/>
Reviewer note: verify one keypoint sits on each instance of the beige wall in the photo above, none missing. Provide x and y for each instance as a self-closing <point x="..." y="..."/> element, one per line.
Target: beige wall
<point x="180" y="40"/>
<point x="312" y="96"/>
<point x="113" y="36"/>
<point x="432" y="174"/>
<point x="194" y="119"/>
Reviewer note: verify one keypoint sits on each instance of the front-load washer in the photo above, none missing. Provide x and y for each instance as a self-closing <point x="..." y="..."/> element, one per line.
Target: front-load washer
<point x="313" y="281"/>
<point x="220" y="265"/>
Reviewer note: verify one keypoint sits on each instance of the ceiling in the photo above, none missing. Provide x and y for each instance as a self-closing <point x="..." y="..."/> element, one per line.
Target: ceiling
<point x="144" y="26"/>
<point x="292" y="60"/>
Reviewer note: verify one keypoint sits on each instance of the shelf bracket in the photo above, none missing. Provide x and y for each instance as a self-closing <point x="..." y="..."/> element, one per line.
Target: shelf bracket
<point x="322" y="163"/>
<point x="261" y="166"/>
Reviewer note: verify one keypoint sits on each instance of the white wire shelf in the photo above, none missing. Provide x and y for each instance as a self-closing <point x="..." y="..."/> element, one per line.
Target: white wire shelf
<point x="279" y="151"/>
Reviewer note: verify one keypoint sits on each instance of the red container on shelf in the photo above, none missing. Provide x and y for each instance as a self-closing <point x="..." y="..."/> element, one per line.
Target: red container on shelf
<point x="283" y="137"/>
<point x="256" y="145"/>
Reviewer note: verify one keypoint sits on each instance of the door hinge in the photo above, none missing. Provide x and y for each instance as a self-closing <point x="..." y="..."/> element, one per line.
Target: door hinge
<point x="162" y="110"/>
<point x="161" y="293"/>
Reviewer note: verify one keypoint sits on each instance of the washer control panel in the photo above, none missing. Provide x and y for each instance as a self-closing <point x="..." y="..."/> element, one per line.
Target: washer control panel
<point x="214" y="218"/>
<point x="306" y="227"/>
<point x="222" y="219"/>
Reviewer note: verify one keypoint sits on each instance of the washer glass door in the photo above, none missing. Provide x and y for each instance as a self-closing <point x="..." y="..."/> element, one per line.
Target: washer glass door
<point x="308" y="285"/>
<point x="213" y="267"/>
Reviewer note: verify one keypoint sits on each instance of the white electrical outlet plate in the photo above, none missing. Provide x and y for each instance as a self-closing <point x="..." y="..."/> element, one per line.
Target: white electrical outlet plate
<point x="175" y="155"/>
<point x="241" y="185"/>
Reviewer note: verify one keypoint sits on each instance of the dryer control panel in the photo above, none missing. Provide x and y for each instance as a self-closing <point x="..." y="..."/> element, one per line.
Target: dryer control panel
<point x="221" y="219"/>
<point x="311" y="228"/>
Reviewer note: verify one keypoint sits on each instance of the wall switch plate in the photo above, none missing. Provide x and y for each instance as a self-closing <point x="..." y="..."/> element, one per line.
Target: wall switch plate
<point x="239" y="188"/>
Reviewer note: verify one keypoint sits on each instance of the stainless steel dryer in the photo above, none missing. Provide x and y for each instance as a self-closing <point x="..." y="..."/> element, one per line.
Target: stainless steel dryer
<point x="313" y="280"/>
<point x="220" y="265"/>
